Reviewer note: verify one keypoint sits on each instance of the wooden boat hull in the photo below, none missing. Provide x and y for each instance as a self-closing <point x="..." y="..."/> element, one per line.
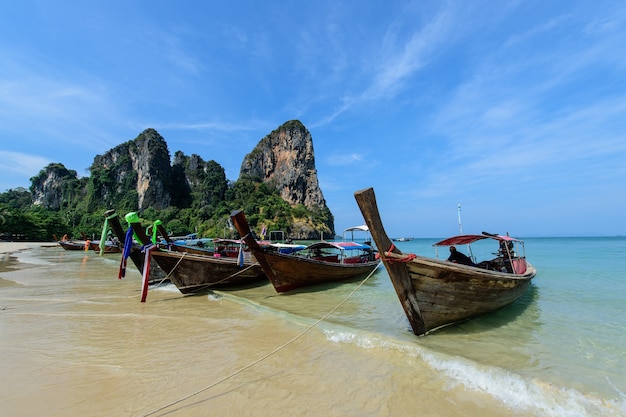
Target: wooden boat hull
<point x="193" y="273"/>
<point x="447" y="293"/>
<point x="435" y="293"/>
<point x="288" y="272"/>
<point x="95" y="246"/>
<point x="71" y="245"/>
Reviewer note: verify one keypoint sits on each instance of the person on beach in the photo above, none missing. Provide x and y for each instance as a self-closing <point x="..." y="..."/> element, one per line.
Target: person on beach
<point x="459" y="258"/>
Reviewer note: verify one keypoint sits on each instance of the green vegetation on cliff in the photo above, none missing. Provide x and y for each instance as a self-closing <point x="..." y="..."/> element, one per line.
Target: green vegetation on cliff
<point x="277" y="191"/>
<point x="207" y="213"/>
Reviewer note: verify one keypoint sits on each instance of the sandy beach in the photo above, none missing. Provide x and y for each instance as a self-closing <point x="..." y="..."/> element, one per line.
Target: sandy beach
<point x="8" y="248"/>
<point x="96" y="350"/>
<point x="77" y="341"/>
<point x="12" y="247"/>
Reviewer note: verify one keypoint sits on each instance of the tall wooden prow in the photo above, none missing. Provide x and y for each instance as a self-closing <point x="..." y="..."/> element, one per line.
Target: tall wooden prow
<point x="241" y="224"/>
<point x="366" y="199"/>
<point x="164" y="234"/>
<point x="114" y="223"/>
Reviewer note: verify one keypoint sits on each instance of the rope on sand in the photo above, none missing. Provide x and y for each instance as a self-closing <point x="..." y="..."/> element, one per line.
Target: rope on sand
<point x="261" y="359"/>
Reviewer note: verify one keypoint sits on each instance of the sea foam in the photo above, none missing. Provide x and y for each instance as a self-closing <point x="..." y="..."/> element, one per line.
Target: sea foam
<point x="512" y="390"/>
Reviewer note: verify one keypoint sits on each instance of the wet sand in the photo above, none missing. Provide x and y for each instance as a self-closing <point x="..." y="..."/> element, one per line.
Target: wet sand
<point x="76" y="341"/>
<point x="12" y="247"/>
<point x="7" y="249"/>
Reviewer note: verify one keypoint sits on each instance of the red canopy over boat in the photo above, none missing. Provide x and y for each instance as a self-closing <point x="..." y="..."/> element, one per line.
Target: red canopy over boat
<point x="467" y="239"/>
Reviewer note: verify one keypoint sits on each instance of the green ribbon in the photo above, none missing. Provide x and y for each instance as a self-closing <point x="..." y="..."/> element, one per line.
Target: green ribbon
<point x="133" y="217"/>
<point x="105" y="229"/>
<point x="155" y="230"/>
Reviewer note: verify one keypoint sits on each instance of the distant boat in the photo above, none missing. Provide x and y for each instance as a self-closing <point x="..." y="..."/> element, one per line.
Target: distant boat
<point x="402" y="239"/>
<point x="69" y="244"/>
<point x="110" y="247"/>
<point x="321" y="262"/>
<point x="196" y="245"/>
<point x="188" y="240"/>
<point x="435" y="293"/>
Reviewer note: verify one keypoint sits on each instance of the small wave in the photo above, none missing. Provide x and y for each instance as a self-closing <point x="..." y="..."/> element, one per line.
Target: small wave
<point x="27" y="257"/>
<point x="9" y="283"/>
<point x="166" y="287"/>
<point x="519" y="393"/>
<point x="214" y="297"/>
<point x="513" y="391"/>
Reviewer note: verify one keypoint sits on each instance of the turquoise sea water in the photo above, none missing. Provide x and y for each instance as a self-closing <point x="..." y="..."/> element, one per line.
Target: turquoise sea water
<point x="558" y="351"/>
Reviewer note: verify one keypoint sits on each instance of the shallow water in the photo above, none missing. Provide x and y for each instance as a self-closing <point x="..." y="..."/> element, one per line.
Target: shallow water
<point x="76" y="340"/>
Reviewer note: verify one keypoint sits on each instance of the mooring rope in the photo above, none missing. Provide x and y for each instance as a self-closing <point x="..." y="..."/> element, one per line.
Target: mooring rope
<point x="173" y="269"/>
<point x="234" y="275"/>
<point x="212" y="283"/>
<point x="261" y="359"/>
<point x="408" y="258"/>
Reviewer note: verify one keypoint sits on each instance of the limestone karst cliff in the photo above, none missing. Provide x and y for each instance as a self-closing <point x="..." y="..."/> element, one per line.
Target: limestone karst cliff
<point x="136" y="170"/>
<point x="197" y="183"/>
<point x="285" y="158"/>
<point x="138" y="175"/>
<point x="54" y="186"/>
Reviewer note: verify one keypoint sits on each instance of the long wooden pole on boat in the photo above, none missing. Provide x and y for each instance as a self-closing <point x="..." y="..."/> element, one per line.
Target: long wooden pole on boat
<point x="366" y="199"/>
<point x="138" y="229"/>
<point x="241" y="224"/>
<point x="116" y="226"/>
<point x="164" y="234"/>
<point x="114" y="223"/>
<point x="148" y="247"/>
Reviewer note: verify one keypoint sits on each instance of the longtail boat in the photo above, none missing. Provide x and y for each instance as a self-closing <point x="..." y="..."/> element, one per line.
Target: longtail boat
<point x="290" y="271"/>
<point x="68" y="244"/>
<point x="109" y="247"/>
<point x="193" y="271"/>
<point x="436" y="293"/>
<point x="72" y="245"/>
<point x="178" y="245"/>
<point x="135" y="254"/>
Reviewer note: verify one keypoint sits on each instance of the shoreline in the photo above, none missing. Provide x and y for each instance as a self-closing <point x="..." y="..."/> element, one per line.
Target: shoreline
<point x="8" y="260"/>
<point x="8" y="248"/>
<point x="92" y="344"/>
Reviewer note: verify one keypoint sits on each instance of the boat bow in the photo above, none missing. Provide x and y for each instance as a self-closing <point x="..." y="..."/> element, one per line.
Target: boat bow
<point x="366" y="199"/>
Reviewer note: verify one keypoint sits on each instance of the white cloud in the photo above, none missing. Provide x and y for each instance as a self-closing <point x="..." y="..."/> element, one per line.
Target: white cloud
<point x="341" y="159"/>
<point x="21" y="163"/>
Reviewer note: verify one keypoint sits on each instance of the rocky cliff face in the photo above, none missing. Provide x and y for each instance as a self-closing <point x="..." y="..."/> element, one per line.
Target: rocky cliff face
<point x="204" y="180"/>
<point x="53" y="186"/>
<point x="285" y="159"/>
<point x="137" y="175"/>
<point x="140" y="166"/>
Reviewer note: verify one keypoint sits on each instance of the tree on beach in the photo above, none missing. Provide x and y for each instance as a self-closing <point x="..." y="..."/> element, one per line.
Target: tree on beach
<point x="4" y="213"/>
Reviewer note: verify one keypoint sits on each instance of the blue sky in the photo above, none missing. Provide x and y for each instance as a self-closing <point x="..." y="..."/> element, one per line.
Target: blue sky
<point x="514" y="109"/>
